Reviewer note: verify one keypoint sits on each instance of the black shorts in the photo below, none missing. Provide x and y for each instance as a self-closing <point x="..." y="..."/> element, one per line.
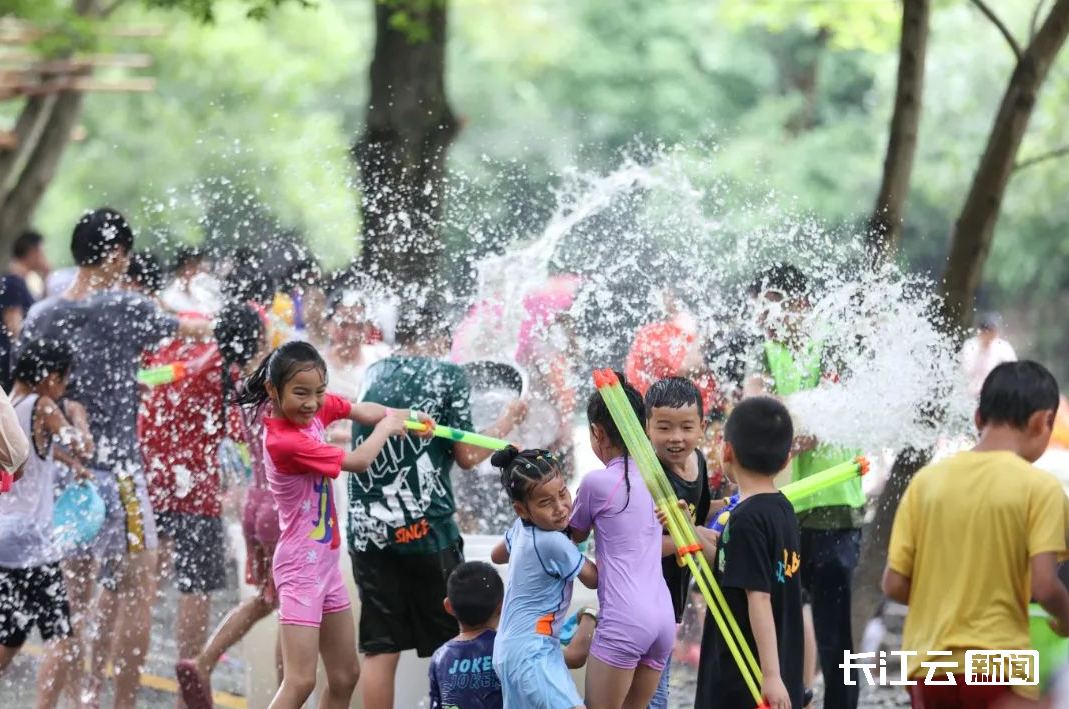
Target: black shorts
<point x="401" y="599"/>
<point x="36" y="596"/>
<point x="199" y="550"/>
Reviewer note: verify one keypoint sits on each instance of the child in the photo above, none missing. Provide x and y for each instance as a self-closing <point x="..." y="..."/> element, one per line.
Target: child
<point x="674" y="425"/>
<point x="32" y="590"/>
<point x="241" y="333"/>
<point x="757" y="567"/>
<point x="461" y="672"/>
<point x="543" y="562"/>
<point x="636" y="626"/>
<point x="299" y="469"/>
<point x="990" y="512"/>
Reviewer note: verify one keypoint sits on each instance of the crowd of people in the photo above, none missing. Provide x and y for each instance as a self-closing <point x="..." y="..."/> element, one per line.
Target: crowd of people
<point x="274" y="389"/>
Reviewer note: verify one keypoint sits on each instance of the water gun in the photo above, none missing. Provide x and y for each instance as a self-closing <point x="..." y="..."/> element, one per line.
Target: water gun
<point x="6" y="481"/>
<point x="475" y="439"/>
<point x="166" y="374"/>
<point x="680" y="527"/>
<point x="798" y="491"/>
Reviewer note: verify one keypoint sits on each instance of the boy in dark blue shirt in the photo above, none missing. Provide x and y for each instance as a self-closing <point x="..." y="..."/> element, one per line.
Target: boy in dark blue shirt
<point x="461" y="673"/>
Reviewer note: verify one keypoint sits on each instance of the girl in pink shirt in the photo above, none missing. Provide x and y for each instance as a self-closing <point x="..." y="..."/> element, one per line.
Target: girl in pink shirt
<point x="313" y="603"/>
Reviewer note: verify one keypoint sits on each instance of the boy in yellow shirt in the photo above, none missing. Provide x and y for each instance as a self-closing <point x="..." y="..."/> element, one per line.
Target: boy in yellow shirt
<point x="976" y="535"/>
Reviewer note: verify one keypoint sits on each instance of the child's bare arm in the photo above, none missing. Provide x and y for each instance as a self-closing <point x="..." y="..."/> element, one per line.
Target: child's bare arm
<point x="896" y="586"/>
<point x="56" y="425"/>
<point x="588" y="575"/>
<point x="360" y="458"/>
<point x="709" y="539"/>
<point x="759" y="607"/>
<point x="500" y="553"/>
<point x="78" y="417"/>
<point x="80" y="471"/>
<point x="369" y="413"/>
<point x="1049" y="592"/>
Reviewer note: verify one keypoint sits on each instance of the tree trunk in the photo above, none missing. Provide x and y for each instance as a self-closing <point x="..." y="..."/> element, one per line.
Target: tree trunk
<point x="876" y="538"/>
<point x="401" y="155"/>
<point x="27" y="130"/>
<point x="885" y="224"/>
<point x="18" y="205"/>
<point x="975" y="227"/>
<point x="970" y="243"/>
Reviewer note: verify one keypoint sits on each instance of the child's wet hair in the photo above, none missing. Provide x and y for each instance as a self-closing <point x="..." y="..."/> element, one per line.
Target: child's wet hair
<point x="238" y="329"/>
<point x="523" y="471"/>
<point x="474" y="590"/>
<point x="597" y="412"/>
<point x="42" y="357"/>
<point x="760" y="432"/>
<point x="279" y="367"/>
<point x="674" y="393"/>
<point x="1014" y="391"/>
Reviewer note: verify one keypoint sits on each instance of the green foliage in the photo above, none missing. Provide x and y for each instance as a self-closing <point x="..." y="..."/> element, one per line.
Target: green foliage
<point x="205" y="10"/>
<point x="409" y="17"/>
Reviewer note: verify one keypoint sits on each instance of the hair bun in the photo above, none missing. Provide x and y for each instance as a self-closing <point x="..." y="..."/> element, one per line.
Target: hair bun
<point x="504" y="457"/>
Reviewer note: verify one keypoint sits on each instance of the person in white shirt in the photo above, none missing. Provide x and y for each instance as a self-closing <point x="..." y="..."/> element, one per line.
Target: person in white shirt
<point x="985" y="351"/>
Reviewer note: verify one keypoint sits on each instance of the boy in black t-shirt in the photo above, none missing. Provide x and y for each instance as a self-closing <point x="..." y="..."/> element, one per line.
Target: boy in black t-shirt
<point x="757" y="565"/>
<point x="674" y="425"/>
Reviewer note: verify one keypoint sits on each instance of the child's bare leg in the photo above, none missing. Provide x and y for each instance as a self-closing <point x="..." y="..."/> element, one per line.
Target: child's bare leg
<point x="135" y="595"/>
<point x="100" y="641"/>
<point x="193" y="612"/>
<point x="7" y="654"/>
<point x="643" y="687"/>
<point x="607" y="687"/>
<point x="337" y="646"/>
<point x="300" y="656"/>
<point x="79" y="575"/>
<point x="575" y="655"/>
<point x="379" y="673"/>
<point x="233" y="628"/>
<point x="59" y="668"/>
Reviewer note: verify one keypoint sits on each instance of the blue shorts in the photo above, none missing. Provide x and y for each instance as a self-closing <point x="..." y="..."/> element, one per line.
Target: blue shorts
<point x="533" y="674"/>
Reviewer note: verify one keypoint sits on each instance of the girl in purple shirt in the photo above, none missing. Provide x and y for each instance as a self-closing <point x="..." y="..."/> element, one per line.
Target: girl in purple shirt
<point x="636" y="629"/>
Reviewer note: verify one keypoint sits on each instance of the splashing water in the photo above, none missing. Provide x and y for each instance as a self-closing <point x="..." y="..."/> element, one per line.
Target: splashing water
<point x="670" y="235"/>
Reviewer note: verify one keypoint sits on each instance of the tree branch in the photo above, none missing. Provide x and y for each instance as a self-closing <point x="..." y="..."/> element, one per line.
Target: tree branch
<point x="1035" y="20"/>
<point x="990" y="14"/>
<point x="1043" y="157"/>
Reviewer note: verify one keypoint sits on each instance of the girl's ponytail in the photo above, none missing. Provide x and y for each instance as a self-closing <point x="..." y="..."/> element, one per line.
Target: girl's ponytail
<point x="598" y="413"/>
<point x="254" y="388"/>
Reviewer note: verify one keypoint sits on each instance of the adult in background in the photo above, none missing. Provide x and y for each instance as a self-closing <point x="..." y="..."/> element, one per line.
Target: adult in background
<point x="983" y="352"/>
<point x="108" y="329"/>
<point x="28" y="263"/>
<point x="403" y="537"/>
<point x="791" y="360"/>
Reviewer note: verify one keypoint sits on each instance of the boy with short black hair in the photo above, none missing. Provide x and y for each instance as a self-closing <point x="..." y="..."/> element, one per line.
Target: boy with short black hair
<point x="461" y="672"/>
<point x="674" y="425"/>
<point x="757" y="566"/>
<point x="1008" y="523"/>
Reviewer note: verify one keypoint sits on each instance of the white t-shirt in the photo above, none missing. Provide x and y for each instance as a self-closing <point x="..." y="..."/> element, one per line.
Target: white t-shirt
<point x="977" y="361"/>
<point x="26" y="510"/>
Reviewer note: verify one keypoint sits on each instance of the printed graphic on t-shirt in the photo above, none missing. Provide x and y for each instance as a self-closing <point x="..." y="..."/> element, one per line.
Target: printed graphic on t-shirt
<point x="325" y="527"/>
<point x="785" y="569"/>
<point x="403" y="507"/>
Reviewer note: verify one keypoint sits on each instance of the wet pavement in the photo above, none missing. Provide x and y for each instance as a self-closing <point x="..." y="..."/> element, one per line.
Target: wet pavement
<point x="158" y="686"/>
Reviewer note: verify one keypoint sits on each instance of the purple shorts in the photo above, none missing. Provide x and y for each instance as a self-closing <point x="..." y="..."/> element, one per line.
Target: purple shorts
<point x="626" y="644"/>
